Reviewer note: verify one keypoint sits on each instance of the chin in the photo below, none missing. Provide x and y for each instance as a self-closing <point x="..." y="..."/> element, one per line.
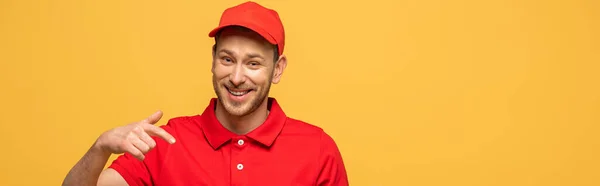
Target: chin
<point x="236" y="109"/>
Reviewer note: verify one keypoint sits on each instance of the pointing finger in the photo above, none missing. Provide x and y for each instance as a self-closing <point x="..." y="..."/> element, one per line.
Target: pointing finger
<point x="157" y="131"/>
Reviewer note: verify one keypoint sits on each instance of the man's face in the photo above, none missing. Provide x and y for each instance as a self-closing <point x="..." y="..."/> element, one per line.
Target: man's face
<point x="243" y="70"/>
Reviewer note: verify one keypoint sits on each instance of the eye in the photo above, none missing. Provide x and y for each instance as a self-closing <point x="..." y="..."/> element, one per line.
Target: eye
<point x="227" y="59"/>
<point x="254" y="63"/>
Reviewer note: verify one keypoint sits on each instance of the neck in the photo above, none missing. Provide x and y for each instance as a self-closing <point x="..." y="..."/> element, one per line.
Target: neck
<point x="244" y="124"/>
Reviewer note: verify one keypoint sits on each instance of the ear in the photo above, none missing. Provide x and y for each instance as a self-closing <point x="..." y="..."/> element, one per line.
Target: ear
<point x="279" y="68"/>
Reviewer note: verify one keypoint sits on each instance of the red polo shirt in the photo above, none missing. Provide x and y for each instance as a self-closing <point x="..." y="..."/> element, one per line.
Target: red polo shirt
<point x="282" y="151"/>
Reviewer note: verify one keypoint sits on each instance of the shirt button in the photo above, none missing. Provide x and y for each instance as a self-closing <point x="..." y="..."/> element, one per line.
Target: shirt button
<point x="240" y="166"/>
<point x="240" y="142"/>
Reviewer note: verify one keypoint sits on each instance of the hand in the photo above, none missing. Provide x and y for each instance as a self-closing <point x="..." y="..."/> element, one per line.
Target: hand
<point x="134" y="138"/>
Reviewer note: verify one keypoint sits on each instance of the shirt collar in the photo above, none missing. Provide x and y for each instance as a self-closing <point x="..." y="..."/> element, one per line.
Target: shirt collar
<point x="265" y="134"/>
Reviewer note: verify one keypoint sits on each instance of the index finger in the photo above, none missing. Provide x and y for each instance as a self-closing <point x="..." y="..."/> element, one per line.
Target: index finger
<point x="153" y="130"/>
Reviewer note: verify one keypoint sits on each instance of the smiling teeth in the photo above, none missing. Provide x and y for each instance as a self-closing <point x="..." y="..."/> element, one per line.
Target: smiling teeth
<point x="238" y="93"/>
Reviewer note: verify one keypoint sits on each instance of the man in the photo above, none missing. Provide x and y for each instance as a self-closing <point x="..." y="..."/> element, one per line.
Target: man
<point x="243" y="137"/>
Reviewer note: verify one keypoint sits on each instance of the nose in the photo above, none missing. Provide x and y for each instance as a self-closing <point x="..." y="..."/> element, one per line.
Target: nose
<point x="237" y="77"/>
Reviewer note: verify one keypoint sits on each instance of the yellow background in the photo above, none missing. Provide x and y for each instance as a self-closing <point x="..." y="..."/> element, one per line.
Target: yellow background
<point x="414" y="92"/>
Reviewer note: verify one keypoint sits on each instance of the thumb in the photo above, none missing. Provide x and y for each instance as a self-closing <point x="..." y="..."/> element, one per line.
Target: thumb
<point x="152" y="119"/>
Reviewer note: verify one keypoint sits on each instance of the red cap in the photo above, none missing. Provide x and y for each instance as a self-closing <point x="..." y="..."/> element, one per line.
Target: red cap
<point x="255" y="17"/>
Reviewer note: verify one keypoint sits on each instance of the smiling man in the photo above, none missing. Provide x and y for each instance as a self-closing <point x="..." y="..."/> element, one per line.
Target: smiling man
<point x="243" y="137"/>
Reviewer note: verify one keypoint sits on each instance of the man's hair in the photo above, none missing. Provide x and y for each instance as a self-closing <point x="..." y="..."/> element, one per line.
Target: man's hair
<point x="275" y="47"/>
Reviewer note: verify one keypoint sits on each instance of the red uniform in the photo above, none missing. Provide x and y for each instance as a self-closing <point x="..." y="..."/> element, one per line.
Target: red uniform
<point x="281" y="152"/>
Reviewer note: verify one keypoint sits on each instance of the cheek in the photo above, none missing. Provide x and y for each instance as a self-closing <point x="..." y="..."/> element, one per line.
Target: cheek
<point x="259" y="77"/>
<point x="220" y="72"/>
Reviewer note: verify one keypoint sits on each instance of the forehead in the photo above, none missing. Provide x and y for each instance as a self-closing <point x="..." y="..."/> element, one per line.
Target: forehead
<point x="239" y="37"/>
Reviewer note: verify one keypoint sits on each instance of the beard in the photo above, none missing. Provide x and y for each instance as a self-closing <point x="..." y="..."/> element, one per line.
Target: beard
<point x="246" y="107"/>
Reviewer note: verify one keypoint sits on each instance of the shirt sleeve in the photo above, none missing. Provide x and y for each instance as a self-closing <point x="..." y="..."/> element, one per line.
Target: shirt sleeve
<point x="332" y="169"/>
<point x="134" y="171"/>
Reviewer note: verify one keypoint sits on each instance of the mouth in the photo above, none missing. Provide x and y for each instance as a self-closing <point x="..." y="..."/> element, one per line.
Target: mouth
<point x="238" y="92"/>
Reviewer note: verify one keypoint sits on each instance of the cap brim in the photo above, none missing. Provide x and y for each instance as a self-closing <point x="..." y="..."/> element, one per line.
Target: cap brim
<point x="254" y="28"/>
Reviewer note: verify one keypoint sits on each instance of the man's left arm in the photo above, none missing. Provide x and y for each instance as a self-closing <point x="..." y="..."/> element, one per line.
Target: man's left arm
<point x="332" y="169"/>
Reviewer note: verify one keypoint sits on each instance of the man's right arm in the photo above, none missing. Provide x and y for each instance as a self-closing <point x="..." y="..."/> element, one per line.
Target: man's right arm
<point x="134" y="139"/>
<point x="88" y="170"/>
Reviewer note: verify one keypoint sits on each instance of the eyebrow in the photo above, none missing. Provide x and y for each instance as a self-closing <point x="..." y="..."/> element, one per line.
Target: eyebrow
<point x="250" y="55"/>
